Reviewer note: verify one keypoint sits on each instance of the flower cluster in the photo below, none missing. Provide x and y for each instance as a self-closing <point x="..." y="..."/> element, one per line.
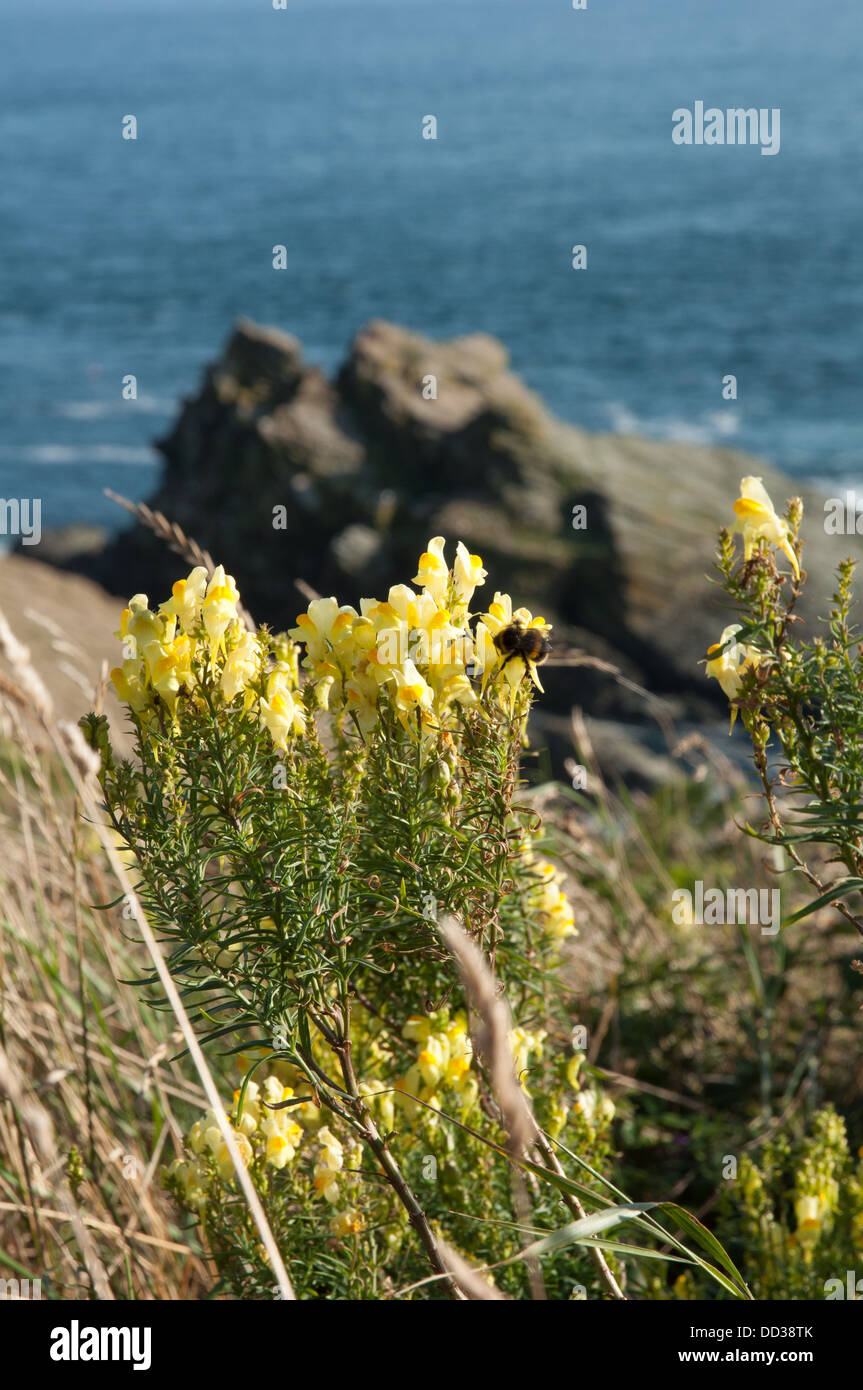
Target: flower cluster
<point x="728" y="660"/>
<point x="269" y="1135"/>
<point x="546" y="899"/>
<point x="443" y="1062"/>
<point x="415" y="651"/>
<point x="798" y="1206"/>
<point x="197" y="641"/>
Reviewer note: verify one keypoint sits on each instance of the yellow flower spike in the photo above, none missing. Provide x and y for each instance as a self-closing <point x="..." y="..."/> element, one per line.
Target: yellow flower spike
<point x="757" y="520"/>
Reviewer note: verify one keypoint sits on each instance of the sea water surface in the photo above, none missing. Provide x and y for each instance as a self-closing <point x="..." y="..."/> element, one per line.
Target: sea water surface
<point x="303" y="127"/>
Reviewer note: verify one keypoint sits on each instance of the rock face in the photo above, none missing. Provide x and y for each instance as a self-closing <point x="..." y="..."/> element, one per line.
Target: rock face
<point x="416" y="438"/>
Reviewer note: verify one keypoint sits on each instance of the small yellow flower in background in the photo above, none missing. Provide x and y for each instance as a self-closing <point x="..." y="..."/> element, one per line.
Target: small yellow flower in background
<point x="330" y="1161"/>
<point x="347" y="1223"/>
<point x="757" y="521"/>
<point x="525" y="1047"/>
<point x="809" y="1213"/>
<point x="417" y="1028"/>
<point x="434" y="1058"/>
<point x="730" y="665"/>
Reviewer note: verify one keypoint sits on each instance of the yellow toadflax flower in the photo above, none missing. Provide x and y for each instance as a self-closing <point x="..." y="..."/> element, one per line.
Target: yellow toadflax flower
<point x="282" y="715"/>
<point x="347" y="1223"/>
<point x="241" y="665"/>
<point x="187" y="598"/>
<point x="433" y="573"/>
<point x="467" y="573"/>
<point x="219" y="607"/>
<point x="731" y="664"/>
<point x="757" y="521"/>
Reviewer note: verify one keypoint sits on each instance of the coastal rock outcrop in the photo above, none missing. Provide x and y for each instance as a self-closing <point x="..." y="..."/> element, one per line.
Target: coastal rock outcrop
<point x="283" y="474"/>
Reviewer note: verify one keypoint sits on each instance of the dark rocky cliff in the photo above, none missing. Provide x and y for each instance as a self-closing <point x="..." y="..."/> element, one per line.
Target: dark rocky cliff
<point x="367" y="468"/>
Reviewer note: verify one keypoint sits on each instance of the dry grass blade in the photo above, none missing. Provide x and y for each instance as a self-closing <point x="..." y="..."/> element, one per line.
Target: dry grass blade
<point x="44" y="813"/>
<point x="176" y="539"/>
<point x="492" y="1034"/>
<point x="473" y="1284"/>
<point x="37" y="1125"/>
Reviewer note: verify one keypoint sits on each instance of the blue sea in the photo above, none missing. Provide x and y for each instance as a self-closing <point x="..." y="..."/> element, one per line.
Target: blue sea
<point x="303" y="127"/>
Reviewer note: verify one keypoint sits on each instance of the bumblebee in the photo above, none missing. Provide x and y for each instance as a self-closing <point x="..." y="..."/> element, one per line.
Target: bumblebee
<point x="530" y="643"/>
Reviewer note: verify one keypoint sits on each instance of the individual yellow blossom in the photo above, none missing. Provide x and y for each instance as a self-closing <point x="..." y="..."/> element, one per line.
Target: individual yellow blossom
<point x="525" y="1046"/>
<point x="325" y="629"/>
<point x="433" y="1058"/>
<point x="361" y="700"/>
<point x="417" y="1028"/>
<point x="190" y="1177"/>
<point x="433" y="573"/>
<point x="186" y="601"/>
<point x="241" y="665"/>
<point x="467" y="573"/>
<point x="330" y="1162"/>
<point x="757" y="521"/>
<point x="170" y="667"/>
<point x="347" y="1223"/>
<point x="573" y="1067"/>
<point x="557" y="1116"/>
<point x="411" y="692"/>
<point x="730" y="665"/>
<point x="809" y="1213"/>
<point x="219" y="608"/>
<point x="282" y="715"/>
<point x="127" y="682"/>
<point x="138" y="626"/>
